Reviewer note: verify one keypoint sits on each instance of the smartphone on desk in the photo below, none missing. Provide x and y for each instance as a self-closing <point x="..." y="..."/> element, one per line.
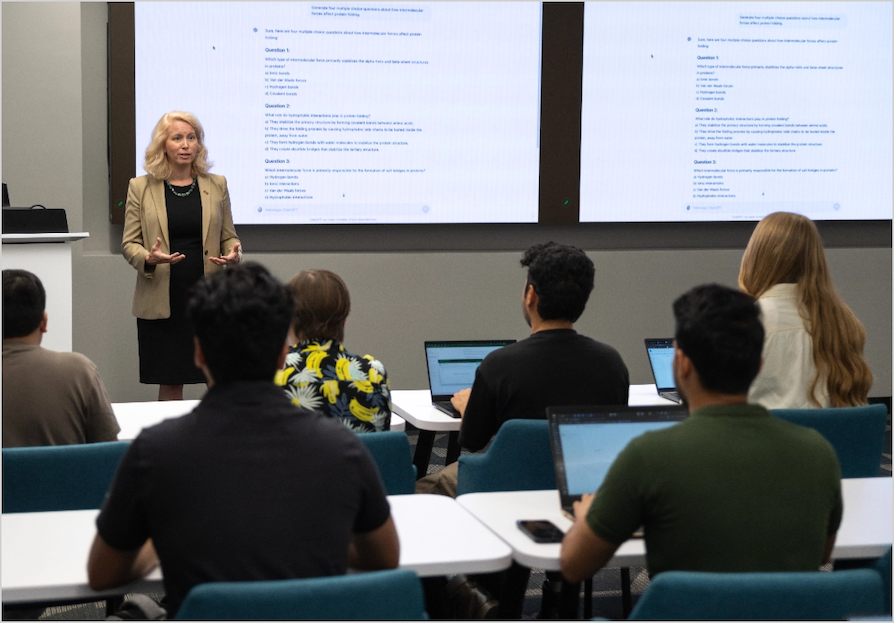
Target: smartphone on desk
<point x="541" y="530"/>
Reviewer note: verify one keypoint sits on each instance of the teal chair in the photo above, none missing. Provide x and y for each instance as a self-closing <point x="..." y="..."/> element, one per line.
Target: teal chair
<point x="519" y="459"/>
<point x="378" y="595"/>
<point x="391" y="452"/>
<point x="59" y="478"/>
<point x="811" y="595"/>
<point x="856" y="433"/>
<point x="883" y="567"/>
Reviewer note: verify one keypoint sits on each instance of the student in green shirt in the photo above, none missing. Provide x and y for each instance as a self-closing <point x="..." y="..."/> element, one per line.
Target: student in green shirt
<point x="731" y="488"/>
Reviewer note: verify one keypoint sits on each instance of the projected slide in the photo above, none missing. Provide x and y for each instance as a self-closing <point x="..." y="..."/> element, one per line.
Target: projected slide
<point x="721" y="111"/>
<point x="353" y="112"/>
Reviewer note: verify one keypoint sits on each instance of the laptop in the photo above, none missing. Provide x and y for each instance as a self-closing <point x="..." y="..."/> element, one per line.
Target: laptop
<point x="586" y="440"/>
<point x="452" y="365"/>
<point x="661" y="358"/>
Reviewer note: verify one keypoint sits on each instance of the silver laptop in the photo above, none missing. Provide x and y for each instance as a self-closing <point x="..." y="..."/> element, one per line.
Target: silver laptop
<point x="661" y="358"/>
<point x="452" y="365"/>
<point x="586" y="440"/>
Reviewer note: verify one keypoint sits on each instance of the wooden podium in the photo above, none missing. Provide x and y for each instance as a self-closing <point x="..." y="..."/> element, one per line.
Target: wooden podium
<point x="49" y="257"/>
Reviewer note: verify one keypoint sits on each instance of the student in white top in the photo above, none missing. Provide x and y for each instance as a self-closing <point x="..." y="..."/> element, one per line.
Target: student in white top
<point x="813" y="343"/>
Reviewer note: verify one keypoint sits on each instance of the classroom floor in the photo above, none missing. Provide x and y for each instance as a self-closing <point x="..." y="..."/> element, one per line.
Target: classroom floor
<point x="606" y="583"/>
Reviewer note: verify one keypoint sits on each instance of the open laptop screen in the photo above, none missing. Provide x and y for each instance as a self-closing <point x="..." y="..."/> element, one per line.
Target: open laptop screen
<point x="661" y="357"/>
<point x="586" y="440"/>
<point x="452" y="364"/>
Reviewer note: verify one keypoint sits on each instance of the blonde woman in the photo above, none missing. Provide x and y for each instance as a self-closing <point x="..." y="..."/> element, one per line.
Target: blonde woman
<point x="813" y="347"/>
<point x="177" y="228"/>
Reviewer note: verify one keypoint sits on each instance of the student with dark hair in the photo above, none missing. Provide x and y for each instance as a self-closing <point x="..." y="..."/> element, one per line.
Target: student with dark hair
<point x="320" y="374"/>
<point x="555" y="366"/>
<point x="731" y="488"/>
<point x="49" y="398"/>
<point x="245" y="487"/>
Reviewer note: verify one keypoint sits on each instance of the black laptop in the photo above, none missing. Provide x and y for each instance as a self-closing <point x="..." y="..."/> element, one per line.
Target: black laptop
<point x="452" y="365"/>
<point x="661" y="359"/>
<point x="586" y="440"/>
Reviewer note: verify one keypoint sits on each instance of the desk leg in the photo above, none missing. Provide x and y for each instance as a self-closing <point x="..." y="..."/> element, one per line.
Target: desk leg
<point x="588" y="598"/>
<point x="453" y="448"/>
<point x="513" y="585"/>
<point x="625" y="591"/>
<point x="435" y="598"/>
<point x="422" y="456"/>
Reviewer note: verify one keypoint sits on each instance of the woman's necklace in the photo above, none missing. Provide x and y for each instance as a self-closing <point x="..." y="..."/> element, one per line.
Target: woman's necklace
<point x="192" y="187"/>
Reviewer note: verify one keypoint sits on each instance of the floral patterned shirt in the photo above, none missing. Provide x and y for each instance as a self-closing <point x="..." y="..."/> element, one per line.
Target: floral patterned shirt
<point x="324" y="377"/>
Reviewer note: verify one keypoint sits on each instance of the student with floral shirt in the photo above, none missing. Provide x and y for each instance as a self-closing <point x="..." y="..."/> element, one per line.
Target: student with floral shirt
<point x="319" y="373"/>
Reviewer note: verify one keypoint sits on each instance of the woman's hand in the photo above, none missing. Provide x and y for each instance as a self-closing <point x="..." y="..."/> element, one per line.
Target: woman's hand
<point x="232" y="257"/>
<point x="157" y="257"/>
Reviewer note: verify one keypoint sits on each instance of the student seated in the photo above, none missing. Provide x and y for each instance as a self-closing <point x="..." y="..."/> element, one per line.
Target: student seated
<point x="319" y="373"/>
<point x="731" y="488"/>
<point x="554" y="366"/>
<point x="245" y="487"/>
<point x="813" y="344"/>
<point x="49" y="398"/>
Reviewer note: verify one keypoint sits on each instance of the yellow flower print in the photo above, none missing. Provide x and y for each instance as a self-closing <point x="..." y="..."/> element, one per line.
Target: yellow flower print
<point x="364" y="414"/>
<point x="314" y="360"/>
<point x="282" y="376"/>
<point x="330" y="390"/>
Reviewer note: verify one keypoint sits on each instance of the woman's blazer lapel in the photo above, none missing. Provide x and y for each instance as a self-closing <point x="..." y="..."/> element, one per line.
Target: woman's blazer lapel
<point x="206" y="190"/>
<point x="157" y="194"/>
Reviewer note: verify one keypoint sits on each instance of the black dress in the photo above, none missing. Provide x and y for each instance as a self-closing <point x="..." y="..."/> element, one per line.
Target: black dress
<point x="166" y="346"/>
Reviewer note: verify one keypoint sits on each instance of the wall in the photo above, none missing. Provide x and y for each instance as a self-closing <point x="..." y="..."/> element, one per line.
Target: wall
<point x="54" y="153"/>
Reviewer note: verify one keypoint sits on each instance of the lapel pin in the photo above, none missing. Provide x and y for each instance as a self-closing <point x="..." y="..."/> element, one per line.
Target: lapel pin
<point x="205" y="191"/>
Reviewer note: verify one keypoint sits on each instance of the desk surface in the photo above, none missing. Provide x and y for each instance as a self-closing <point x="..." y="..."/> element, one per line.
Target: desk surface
<point x="135" y="416"/>
<point x="44" y="555"/>
<point x="414" y="405"/>
<point x="865" y="529"/>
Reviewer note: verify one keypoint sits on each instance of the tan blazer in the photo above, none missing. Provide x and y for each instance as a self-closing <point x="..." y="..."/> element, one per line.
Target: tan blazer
<point x="146" y="218"/>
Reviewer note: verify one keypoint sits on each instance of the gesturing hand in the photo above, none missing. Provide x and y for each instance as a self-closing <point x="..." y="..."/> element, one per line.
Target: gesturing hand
<point x="157" y="257"/>
<point x="232" y="257"/>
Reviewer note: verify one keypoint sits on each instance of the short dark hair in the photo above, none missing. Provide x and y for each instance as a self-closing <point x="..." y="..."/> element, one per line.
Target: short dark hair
<point x="562" y="277"/>
<point x="241" y="317"/>
<point x="720" y="330"/>
<point x="24" y="301"/>
<point x="322" y="304"/>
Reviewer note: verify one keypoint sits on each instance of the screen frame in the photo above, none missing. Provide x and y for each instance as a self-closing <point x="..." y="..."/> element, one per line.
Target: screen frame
<point x="562" y="63"/>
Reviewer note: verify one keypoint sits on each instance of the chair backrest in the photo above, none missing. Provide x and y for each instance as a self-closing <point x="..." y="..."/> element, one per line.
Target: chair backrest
<point x="391" y="452"/>
<point x="378" y="595"/>
<point x="59" y="478"/>
<point x="518" y="459"/>
<point x="883" y="566"/>
<point x="812" y="595"/>
<point x="856" y="433"/>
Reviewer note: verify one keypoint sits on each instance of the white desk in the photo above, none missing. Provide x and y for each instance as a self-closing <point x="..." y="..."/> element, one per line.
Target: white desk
<point x="44" y="555"/>
<point x="414" y="405"/>
<point x="646" y="396"/>
<point x="135" y="416"/>
<point x="865" y="530"/>
<point x="44" y="558"/>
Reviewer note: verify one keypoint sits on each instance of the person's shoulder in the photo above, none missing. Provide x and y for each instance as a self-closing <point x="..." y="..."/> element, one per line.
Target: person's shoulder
<point x="70" y="363"/>
<point x="217" y="180"/>
<point x="140" y="183"/>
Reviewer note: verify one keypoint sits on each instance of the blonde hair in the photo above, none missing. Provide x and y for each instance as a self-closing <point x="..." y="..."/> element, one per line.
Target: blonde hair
<point x="786" y="248"/>
<point x="156" y="164"/>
